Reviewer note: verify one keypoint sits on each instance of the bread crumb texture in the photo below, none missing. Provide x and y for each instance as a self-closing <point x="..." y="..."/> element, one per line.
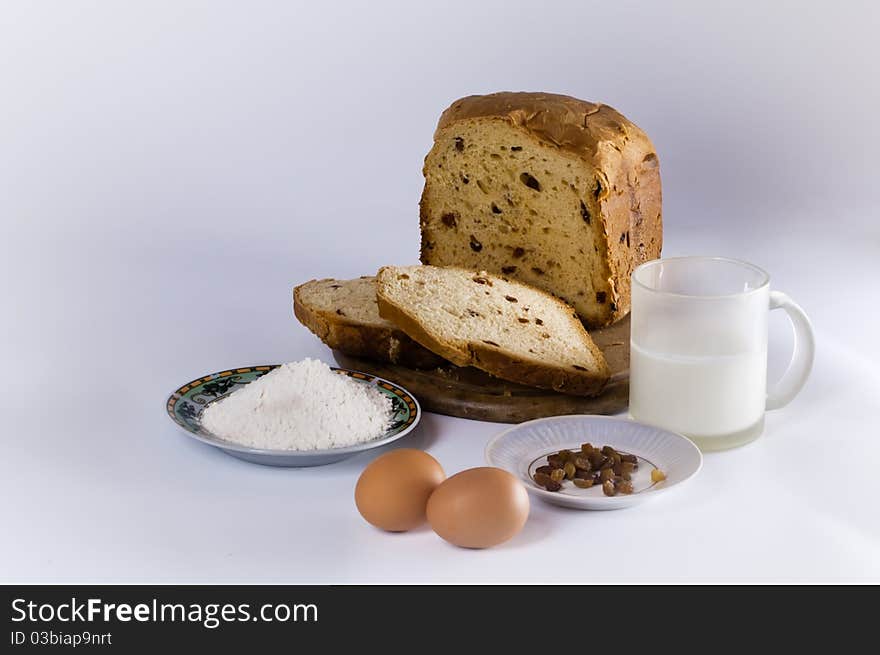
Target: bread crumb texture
<point x="550" y="190"/>
<point x="344" y="315"/>
<point x="504" y="327"/>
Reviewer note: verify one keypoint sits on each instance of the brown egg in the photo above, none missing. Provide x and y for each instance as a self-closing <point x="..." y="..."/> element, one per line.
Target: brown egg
<point x="479" y="508"/>
<point x="392" y="492"/>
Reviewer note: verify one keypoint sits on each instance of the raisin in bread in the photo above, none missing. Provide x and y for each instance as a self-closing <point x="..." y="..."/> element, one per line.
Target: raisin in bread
<point x="556" y="192"/>
<point x="506" y="328"/>
<point x="344" y="315"/>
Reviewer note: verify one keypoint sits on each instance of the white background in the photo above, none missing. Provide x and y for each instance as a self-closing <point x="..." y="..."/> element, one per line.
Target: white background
<point x="169" y="170"/>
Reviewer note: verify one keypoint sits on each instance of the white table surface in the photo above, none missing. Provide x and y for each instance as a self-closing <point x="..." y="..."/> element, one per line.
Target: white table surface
<point x="100" y="486"/>
<point x="168" y="171"/>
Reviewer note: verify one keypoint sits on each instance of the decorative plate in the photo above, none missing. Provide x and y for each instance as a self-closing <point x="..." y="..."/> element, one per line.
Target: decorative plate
<point x="521" y="449"/>
<point x="186" y="405"/>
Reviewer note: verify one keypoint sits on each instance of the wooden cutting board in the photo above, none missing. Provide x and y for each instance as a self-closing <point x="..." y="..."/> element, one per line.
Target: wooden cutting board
<point x="471" y="393"/>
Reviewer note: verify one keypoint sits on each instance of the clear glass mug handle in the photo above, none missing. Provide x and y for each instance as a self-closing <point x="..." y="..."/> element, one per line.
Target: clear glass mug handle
<point x="782" y="393"/>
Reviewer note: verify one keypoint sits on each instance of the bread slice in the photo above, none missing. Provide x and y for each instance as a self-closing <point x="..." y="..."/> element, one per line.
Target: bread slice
<point x="553" y="191"/>
<point x="506" y="328"/>
<point x="344" y="315"/>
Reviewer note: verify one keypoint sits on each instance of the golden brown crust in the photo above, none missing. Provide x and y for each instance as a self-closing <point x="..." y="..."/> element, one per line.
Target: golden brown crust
<point x="574" y="125"/>
<point x="501" y="365"/>
<point x="629" y="202"/>
<point x="497" y="361"/>
<point x="359" y="340"/>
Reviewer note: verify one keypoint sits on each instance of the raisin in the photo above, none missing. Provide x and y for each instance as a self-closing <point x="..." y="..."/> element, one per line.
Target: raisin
<point x="624" y="486"/>
<point x="544" y="469"/>
<point x="553" y="486"/>
<point x="449" y="219"/>
<point x="340" y="312"/>
<point x="582" y="484"/>
<point x="510" y="299"/>
<point x="459" y="144"/>
<point x="479" y="279"/>
<point x="476" y="246"/>
<point x="600" y="297"/>
<point x="557" y="475"/>
<point x="538" y="321"/>
<point x="495" y="209"/>
<point x="518" y="148"/>
<point x="523" y="320"/>
<point x="583" y="463"/>
<point x="542" y="478"/>
<point x="537" y="271"/>
<point x="518" y="252"/>
<point x="530" y="181"/>
<point x="608" y="488"/>
<point x="585" y="213"/>
<point x="508" y="269"/>
<point x="465" y="179"/>
<point x="569" y="469"/>
<point x="622" y="237"/>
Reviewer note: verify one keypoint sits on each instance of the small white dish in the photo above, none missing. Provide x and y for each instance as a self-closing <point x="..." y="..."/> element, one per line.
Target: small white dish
<point x="522" y="448"/>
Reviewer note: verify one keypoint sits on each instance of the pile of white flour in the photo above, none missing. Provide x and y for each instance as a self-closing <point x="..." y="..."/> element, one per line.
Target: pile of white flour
<point x="300" y="406"/>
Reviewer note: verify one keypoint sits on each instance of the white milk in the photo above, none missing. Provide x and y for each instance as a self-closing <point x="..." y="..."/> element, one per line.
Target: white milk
<point x="702" y="396"/>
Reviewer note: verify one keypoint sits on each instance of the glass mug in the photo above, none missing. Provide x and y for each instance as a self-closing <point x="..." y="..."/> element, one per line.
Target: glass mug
<point x="698" y="358"/>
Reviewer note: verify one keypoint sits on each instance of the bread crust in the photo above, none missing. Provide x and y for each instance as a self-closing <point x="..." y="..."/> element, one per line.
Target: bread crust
<point x="496" y="360"/>
<point x="360" y="340"/>
<point x="629" y="202"/>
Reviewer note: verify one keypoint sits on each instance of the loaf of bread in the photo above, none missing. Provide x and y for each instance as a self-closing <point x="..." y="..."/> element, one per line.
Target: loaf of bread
<point x="556" y="192"/>
<point x="344" y="315"/>
<point x="506" y="328"/>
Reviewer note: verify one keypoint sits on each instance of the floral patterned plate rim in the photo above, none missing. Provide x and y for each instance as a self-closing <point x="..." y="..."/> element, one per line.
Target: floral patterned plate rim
<point x="186" y="404"/>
